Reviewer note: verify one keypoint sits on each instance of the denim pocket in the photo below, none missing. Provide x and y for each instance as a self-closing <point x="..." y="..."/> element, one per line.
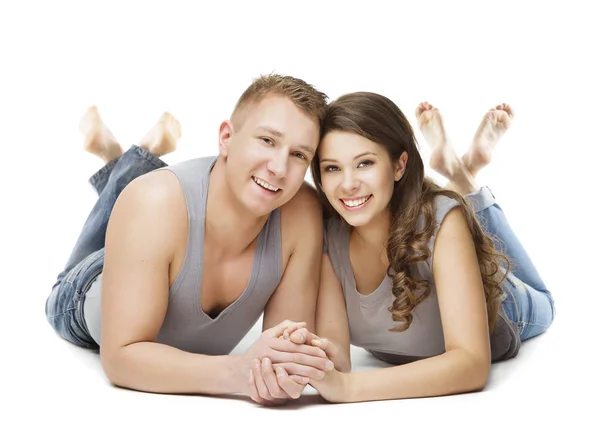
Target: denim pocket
<point x="84" y="273"/>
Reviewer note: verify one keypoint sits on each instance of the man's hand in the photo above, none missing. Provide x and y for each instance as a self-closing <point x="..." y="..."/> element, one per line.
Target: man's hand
<point x="269" y="386"/>
<point x="300" y="364"/>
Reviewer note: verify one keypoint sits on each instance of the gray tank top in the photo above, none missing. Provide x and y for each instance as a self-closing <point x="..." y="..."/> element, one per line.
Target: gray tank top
<point x="368" y="316"/>
<point x="186" y="325"/>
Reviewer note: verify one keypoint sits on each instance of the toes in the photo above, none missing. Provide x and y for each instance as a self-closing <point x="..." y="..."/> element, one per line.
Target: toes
<point x="172" y="123"/>
<point x="505" y="108"/>
<point x="425" y="111"/>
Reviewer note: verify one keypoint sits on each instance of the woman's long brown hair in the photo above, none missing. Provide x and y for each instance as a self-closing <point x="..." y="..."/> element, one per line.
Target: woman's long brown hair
<point x="378" y="119"/>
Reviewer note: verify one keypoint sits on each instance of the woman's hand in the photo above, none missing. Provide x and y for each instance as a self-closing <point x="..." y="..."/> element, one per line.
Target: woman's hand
<point x="263" y="362"/>
<point x="298" y="334"/>
<point x="334" y="387"/>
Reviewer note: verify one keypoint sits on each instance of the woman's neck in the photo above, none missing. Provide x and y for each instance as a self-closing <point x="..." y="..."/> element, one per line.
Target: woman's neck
<point x="375" y="234"/>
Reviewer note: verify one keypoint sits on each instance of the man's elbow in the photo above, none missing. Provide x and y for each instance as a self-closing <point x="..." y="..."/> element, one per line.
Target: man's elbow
<point x="114" y="364"/>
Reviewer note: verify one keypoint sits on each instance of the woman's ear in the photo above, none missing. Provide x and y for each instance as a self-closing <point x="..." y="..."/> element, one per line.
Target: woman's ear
<point x="400" y="166"/>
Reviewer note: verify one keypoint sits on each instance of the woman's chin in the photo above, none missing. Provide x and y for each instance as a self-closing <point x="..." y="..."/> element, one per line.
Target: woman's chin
<point x="356" y="220"/>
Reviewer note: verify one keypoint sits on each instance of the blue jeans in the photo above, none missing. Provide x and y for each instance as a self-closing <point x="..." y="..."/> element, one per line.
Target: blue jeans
<point x="64" y="306"/>
<point x="526" y="300"/>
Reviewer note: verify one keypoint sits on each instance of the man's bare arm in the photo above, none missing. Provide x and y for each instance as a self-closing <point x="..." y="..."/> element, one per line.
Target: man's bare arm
<point x="296" y="296"/>
<point x="140" y="245"/>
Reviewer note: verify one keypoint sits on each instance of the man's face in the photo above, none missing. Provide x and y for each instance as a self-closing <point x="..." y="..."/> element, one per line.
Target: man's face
<point x="268" y="153"/>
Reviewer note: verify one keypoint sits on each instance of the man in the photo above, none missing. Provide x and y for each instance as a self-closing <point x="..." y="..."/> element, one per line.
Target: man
<point x="187" y="257"/>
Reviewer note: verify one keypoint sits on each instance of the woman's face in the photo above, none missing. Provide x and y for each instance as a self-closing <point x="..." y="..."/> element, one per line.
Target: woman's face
<point x="357" y="176"/>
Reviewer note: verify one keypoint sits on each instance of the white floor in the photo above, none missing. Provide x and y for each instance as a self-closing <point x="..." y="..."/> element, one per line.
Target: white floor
<point x="135" y="59"/>
<point x="62" y="389"/>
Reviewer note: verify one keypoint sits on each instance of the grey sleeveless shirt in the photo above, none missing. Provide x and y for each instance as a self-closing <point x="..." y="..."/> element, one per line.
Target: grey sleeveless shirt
<point x="186" y="326"/>
<point x="368" y="316"/>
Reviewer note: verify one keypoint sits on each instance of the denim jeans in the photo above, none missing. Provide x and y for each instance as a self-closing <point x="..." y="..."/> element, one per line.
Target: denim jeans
<point x="526" y="300"/>
<point x="64" y="306"/>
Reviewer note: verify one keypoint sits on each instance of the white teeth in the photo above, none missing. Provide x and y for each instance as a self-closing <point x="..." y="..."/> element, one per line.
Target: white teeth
<point x="265" y="184"/>
<point x="356" y="202"/>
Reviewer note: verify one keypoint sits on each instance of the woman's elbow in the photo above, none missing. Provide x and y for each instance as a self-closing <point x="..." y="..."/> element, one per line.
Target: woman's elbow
<point x="478" y="372"/>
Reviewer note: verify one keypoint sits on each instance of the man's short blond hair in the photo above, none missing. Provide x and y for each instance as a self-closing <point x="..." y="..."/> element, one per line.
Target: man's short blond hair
<point x="305" y="96"/>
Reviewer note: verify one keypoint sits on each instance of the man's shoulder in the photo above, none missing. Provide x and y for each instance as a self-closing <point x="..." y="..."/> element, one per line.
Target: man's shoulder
<point x="302" y="217"/>
<point x="152" y="209"/>
<point x="151" y="194"/>
<point x="304" y="205"/>
<point x="166" y="183"/>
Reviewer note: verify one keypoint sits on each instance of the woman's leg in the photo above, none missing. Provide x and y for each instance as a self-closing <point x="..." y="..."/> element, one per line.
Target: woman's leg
<point x="527" y="300"/>
<point x="87" y="257"/>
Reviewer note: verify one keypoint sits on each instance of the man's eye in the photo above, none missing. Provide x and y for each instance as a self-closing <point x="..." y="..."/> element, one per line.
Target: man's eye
<point x="300" y="156"/>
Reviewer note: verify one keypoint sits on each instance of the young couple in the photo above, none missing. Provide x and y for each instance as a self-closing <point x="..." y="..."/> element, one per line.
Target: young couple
<point x="175" y="264"/>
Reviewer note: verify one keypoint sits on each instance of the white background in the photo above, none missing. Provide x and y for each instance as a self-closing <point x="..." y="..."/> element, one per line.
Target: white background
<point x="135" y="60"/>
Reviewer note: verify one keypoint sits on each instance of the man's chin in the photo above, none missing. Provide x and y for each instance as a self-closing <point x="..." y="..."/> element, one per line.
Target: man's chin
<point x="260" y="208"/>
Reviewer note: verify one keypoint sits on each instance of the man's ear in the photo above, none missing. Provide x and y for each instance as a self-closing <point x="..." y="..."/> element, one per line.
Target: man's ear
<point x="400" y="166"/>
<point x="225" y="134"/>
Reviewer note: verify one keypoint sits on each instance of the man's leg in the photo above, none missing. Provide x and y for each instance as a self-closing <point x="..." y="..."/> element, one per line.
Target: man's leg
<point x="87" y="257"/>
<point x="116" y="175"/>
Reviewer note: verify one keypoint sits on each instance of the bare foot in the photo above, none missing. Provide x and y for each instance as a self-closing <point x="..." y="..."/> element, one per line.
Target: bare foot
<point x="443" y="158"/>
<point x="98" y="138"/>
<point x="162" y="138"/>
<point x="493" y="125"/>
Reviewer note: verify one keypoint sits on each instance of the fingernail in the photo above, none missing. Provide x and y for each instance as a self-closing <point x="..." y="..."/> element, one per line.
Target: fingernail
<point x="305" y="380"/>
<point x="329" y="365"/>
<point x="279" y="371"/>
<point x="256" y="363"/>
<point x="266" y="362"/>
<point x="316" y="342"/>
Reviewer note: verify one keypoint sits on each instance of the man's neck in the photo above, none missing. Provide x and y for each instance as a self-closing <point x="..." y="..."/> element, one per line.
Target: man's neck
<point x="230" y="227"/>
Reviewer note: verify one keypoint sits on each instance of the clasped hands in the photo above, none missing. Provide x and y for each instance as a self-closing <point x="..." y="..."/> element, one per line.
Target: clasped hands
<point x="288" y="357"/>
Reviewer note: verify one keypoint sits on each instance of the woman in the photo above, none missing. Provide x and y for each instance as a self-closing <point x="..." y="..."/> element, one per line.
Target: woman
<point x="414" y="273"/>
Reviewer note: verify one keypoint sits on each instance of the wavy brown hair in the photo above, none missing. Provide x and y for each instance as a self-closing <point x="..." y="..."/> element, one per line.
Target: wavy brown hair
<point x="378" y="119"/>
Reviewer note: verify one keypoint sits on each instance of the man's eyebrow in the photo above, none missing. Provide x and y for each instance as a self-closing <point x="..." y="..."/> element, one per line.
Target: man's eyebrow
<point x="271" y="130"/>
<point x="279" y="134"/>
<point x="307" y="149"/>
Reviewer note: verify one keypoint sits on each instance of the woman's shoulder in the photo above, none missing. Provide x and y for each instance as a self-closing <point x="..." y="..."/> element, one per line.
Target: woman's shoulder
<point x="443" y="204"/>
